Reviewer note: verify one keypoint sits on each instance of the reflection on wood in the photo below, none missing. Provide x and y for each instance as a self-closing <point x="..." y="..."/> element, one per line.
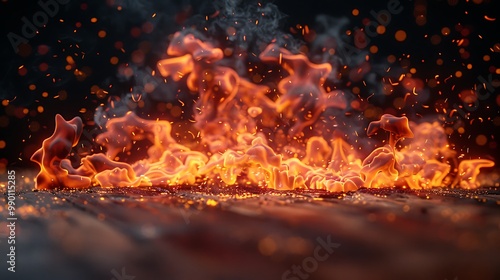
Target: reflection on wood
<point x="245" y="233"/>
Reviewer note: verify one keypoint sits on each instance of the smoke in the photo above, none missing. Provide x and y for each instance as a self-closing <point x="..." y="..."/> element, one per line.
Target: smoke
<point x="331" y="35"/>
<point x="250" y="25"/>
<point x="244" y="28"/>
<point x="143" y="96"/>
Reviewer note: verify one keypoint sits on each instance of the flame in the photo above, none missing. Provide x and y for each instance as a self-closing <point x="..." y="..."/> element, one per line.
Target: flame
<point x="304" y="97"/>
<point x="52" y="156"/>
<point x="230" y="114"/>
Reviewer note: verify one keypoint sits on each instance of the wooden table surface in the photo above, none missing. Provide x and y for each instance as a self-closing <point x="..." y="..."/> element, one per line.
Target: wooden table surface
<point x="247" y="233"/>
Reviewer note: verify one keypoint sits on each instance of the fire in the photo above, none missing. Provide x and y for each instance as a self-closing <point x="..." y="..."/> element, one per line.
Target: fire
<point x="304" y="97"/>
<point x="230" y="116"/>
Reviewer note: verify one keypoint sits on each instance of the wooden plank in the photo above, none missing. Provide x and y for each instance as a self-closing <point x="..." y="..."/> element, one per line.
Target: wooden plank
<point x="245" y="233"/>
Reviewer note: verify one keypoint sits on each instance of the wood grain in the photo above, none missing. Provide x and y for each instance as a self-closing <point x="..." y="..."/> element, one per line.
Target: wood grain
<point x="247" y="233"/>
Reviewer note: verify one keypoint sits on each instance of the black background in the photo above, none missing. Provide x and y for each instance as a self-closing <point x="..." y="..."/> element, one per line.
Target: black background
<point x="60" y="36"/>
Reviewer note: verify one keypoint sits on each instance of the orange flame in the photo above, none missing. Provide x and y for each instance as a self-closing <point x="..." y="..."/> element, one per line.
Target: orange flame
<point x="229" y="115"/>
<point x="52" y="156"/>
<point x="304" y="97"/>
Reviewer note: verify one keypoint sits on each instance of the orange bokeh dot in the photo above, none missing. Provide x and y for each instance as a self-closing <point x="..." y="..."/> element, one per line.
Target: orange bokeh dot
<point x="355" y="104"/>
<point x="380" y="29"/>
<point x="101" y="34"/>
<point x="391" y="58"/>
<point x="43" y="49"/>
<point x="400" y="35"/>
<point x="445" y="31"/>
<point x="113" y="60"/>
<point x="355" y="12"/>
<point x="481" y="140"/>
<point x="228" y="52"/>
<point x="43" y="66"/>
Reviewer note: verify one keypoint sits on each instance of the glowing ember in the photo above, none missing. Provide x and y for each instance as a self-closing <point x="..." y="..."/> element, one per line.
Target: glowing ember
<point x="231" y="116"/>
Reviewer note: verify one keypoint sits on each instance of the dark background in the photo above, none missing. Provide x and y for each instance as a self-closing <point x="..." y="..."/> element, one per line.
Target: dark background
<point x="27" y="114"/>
